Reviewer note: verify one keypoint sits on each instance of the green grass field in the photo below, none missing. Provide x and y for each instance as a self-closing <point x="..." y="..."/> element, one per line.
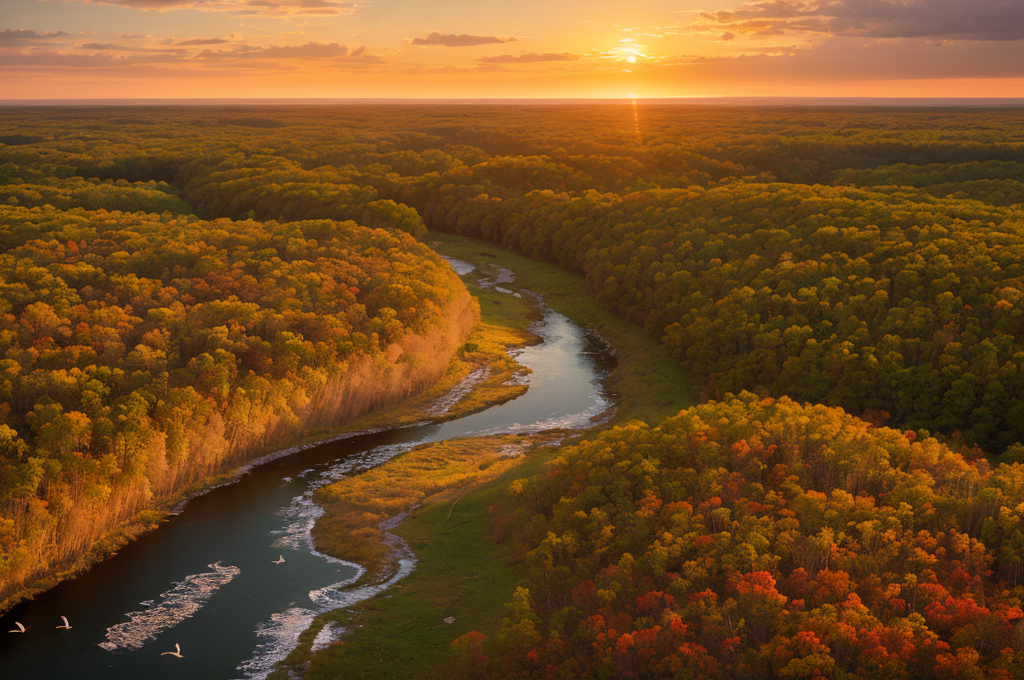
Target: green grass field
<point x="462" y="572"/>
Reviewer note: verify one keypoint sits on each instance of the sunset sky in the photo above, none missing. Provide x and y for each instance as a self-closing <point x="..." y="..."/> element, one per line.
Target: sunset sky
<point x="65" y="49"/>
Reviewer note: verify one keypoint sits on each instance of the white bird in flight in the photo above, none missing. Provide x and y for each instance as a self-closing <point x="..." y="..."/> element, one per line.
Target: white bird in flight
<point x="279" y="560"/>
<point x="66" y="626"/>
<point x="176" y="652"/>
<point x="21" y="628"/>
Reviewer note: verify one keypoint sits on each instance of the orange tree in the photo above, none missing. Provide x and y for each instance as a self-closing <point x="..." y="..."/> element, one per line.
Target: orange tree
<point x="761" y="538"/>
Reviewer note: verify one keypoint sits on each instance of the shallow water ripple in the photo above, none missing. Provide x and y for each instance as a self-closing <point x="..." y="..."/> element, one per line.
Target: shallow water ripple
<point x="177" y="604"/>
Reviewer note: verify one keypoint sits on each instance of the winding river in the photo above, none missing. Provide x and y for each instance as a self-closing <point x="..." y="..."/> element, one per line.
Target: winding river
<point x="206" y="580"/>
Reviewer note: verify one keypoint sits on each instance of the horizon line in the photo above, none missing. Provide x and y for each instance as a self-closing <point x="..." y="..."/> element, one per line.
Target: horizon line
<point x="972" y="102"/>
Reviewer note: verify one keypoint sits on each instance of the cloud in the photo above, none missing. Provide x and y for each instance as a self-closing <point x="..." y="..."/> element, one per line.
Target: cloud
<point x="839" y="60"/>
<point x="950" y="19"/>
<point x="11" y="37"/>
<point x="131" y="36"/>
<point x="109" y="47"/>
<point x="452" y="40"/>
<point x="256" y="7"/>
<point x="82" y="61"/>
<point x="112" y="47"/>
<point x="202" y="41"/>
<point x="531" y="58"/>
<point x="310" y="50"/>
<point x="339" y="54"/>
<point x="270" y="57"/>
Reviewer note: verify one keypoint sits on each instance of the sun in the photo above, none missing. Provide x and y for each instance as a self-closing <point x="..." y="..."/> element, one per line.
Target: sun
<point x="630" y="53"/>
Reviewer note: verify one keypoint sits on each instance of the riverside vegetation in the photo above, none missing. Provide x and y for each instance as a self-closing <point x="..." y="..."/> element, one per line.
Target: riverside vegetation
<point x="866" y="264"/>
<point x="144" y="354"/>
<point x="451" y="499"/>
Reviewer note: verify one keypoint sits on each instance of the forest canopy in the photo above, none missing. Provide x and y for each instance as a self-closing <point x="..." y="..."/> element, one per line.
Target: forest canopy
<point x="177" y="286"/>
<point x="863" y="258"/>
<point x="759" y="538"/>
<point x="143" y="349"/>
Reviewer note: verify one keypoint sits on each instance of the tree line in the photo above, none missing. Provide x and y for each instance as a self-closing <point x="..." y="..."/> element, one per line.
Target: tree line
<point x="142" y="353"/>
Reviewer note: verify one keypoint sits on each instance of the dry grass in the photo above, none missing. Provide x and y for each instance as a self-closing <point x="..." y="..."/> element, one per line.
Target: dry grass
<point x="437" y="472"/>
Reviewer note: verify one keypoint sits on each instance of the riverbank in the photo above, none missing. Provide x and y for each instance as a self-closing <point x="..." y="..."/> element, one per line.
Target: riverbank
<point x="357" y="507"/>
<point x="464" y="573"/>
<point x="483" y="374"/>
<point x="648" y="383"/>
<point x="251" y="542"/>
<point x="470" y="347"/>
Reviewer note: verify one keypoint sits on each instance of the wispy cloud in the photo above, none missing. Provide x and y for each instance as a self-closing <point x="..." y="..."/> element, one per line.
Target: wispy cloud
<point x="831" y="61"/>
<point x="530" y="58"/>
<point x="329" y="54"/>
<point x="184" y="54"/>
<point x="310" y="50"/>
<point x="139" y="49"/>
<point x="452" y="40"/>
<point x="203" y="41"/>
<point x="12" y="37"/>
<point x="82" y="61"/>
<point x="110" y="47"/>
<point x="946" y="19"/>
<point x="256" y="7"/>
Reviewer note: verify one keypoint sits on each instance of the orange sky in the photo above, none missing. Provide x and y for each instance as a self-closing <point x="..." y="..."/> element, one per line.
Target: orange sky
<point x="53" y="49"/>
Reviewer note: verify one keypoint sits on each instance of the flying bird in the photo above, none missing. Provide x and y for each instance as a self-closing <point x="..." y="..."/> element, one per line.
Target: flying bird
<point x="176" y="652"/>
<point x="20" y="629"/>
<point x="279" y="560"/>
<point x="66" y="626"/>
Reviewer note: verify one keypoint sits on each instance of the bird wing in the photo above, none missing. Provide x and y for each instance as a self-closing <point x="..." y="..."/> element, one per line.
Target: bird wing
<point x="65" y="619"/>
<point x="20" y="626"/>
<point x="177" y="648"/>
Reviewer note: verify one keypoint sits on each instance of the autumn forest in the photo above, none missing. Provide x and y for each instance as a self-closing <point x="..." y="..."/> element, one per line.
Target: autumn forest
<point x="186" y="289"/>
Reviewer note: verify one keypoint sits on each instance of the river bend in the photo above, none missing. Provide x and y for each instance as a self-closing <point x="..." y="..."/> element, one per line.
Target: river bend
<point x="206" y="579"/>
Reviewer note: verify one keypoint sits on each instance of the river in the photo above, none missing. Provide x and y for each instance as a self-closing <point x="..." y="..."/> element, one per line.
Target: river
<point x="206" y="579"/>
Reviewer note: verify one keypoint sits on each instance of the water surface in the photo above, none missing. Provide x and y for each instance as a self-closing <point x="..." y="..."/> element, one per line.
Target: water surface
<point x="206" y="579"/>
